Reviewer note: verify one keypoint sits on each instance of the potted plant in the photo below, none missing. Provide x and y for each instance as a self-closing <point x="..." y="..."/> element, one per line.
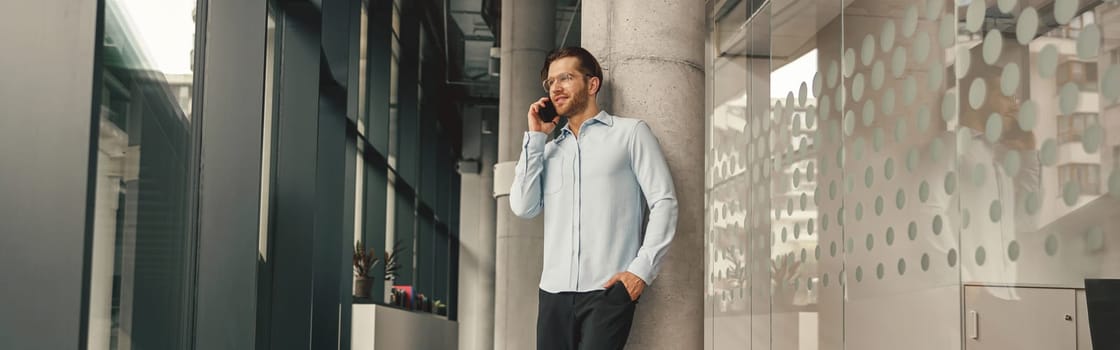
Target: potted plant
<point x="440" y="308"/>
<point x="391" y="264"/>
<point x="364" y="261"/>
<point x="392" y="267"/>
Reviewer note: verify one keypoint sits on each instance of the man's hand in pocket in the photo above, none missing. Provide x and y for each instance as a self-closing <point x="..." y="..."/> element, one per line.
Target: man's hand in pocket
<point x="634" y="284"/>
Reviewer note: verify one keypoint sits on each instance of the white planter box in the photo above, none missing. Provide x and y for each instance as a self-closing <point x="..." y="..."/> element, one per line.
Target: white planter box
<point x="383" y="327"/>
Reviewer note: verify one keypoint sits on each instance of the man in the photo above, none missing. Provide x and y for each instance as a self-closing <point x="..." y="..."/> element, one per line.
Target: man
<point x="591" y="180"/>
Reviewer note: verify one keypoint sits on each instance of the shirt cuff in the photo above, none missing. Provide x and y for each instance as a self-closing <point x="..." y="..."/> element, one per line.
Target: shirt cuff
<point x="644" y="270"/>
<point x="534" y="140"/>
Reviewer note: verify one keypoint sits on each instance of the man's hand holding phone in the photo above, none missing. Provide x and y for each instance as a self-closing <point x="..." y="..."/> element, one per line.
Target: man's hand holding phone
<point x="542" y="116"/>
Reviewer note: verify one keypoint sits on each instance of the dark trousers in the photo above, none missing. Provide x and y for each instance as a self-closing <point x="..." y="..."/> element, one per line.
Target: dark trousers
<point x="589" y="320"/>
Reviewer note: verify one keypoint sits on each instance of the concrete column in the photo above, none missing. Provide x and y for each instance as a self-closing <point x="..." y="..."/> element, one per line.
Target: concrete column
<point x="477" y="225"/>
<point x="652" y="53"/>
<point x="528" y="34"/>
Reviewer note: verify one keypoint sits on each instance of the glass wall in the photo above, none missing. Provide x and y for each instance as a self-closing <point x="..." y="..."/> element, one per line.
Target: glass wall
<point x="407" y="194"/>
<point x="919" y="174"/>
<point x="142" y="260"/>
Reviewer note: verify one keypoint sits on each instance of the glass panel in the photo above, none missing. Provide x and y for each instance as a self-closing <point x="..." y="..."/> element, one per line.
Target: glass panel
<point x="363" y="69"/>
<point x="359" y="195"/>
<point x="140" y="296"/>
<point x="901" y="242"/>
<point x="411" y="135"/>
<point x="919" y="151"/>
<point x="268" y="133"/>
<point x="391" y="201"/>
<point x="404" y="234"/>
<point x="764" y="265"/>
<point x="805" y="90"/>
<point x="394" y="88"/>
<point x="1040" y="150"/>
<point x="396" y="17"/>
<point x="1037" y="166"/>
<point x="268" y="156"/>
<point x="795" y="233"/>
<point x="729" y="164"/>
<point x="392" y="198"/>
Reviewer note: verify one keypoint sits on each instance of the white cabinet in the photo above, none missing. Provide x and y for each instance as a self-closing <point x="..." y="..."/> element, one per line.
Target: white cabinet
<point x="1020" y="318"/>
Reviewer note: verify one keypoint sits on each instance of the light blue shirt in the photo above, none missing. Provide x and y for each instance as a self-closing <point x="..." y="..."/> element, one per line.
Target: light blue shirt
<point x="590" y="189"/>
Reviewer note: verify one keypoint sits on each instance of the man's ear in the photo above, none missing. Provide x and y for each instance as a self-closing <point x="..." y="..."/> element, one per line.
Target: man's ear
<point x="596" y="84"/>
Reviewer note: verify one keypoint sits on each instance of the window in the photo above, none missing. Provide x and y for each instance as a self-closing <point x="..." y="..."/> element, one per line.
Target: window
<point x="1115" y="158"/>
<point x="140" y="294"/>
<point x="405" y="162"/>
<point x="396" y="18"/>
<point x="1087" y="176"/>
<point x="1071" y="128"/>
<point x="1084" y="74"/>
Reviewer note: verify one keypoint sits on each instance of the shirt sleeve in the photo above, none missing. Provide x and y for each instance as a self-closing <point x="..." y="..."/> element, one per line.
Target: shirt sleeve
<point x="653" y="175"/>
<point x="525" y="193"/>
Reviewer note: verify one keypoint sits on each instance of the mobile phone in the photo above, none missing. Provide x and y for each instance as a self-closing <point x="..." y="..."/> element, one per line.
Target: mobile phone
<point x="548" y="112"/>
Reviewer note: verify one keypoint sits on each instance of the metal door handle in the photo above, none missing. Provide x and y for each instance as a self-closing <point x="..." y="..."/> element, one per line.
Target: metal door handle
<point x="974" y="330"/>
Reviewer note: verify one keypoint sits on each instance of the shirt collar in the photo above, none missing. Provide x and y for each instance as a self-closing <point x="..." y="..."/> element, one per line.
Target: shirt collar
<point x="603" y="117"/>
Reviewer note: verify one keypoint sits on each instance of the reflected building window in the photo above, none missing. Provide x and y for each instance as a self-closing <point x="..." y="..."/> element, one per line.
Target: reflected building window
<point x="1086" y="176"/>
<point x="1072" y="128"/>
<point x="142" y="255"/>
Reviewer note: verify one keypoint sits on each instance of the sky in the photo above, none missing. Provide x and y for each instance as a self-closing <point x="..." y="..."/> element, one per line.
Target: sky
<point x="166" y="30"/>
<point x="790" y="76"/>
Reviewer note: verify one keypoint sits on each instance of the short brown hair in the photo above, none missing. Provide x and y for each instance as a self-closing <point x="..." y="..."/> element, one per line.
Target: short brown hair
<point x="587" y="62"/>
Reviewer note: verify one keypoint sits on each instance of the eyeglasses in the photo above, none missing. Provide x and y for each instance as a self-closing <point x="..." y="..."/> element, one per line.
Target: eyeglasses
<point x="564" y="79"/>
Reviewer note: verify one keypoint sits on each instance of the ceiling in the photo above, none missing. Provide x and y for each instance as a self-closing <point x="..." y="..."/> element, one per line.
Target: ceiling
<point x="479" y="22"/>
<point x="477" y="37"/>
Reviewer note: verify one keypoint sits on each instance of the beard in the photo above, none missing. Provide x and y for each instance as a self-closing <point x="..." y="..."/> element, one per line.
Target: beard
<point x="577" y="103"/>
